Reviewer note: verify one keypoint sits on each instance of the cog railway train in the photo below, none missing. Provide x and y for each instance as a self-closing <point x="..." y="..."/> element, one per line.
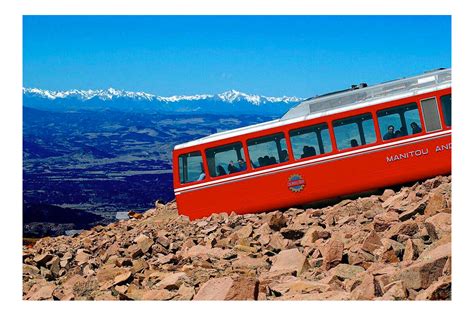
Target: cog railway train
<point x="347" y="142"/>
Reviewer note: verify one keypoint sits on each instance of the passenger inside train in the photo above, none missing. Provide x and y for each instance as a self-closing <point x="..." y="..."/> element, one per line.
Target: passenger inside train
<point x="415" y="128"/>
<point x="390" y="133"/>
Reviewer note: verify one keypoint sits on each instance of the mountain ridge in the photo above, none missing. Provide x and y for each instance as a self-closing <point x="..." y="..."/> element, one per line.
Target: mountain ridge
<point x="228" y="96"/>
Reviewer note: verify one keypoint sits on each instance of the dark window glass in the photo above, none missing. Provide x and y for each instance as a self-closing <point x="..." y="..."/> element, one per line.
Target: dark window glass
<point x="354" y="131"/>
<point x="399" y="121"/>
<point x="225" y="159"/>
<point x="268" y="150"/>
<point x="191" y="168"/>
<point x="310" y="141"/>
<point x="446" y="105"/>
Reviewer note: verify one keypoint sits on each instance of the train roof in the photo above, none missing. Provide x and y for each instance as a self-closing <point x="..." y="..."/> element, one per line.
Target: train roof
<point x="358" y="96"/>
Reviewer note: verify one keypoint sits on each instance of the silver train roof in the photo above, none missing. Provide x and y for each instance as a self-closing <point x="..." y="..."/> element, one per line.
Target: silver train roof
<point x="350" y="99"/>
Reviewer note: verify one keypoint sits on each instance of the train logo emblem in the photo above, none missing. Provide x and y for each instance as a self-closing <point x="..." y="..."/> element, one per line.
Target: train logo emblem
<point x="296" y="183"/>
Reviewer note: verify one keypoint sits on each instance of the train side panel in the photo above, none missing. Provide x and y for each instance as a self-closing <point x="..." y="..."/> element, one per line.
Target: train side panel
<point x="322" y="178"/>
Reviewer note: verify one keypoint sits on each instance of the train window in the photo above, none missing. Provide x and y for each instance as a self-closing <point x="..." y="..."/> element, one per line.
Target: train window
<point x="446" y="105"/>
<point x="225" y="159"/>
<point x="354" y="131"/>
<point x="268" y="150"/>
<point x="191" y="168"/>
<point x="429" y="107"/>
<point x="399" y="121"/>
<point x="310" y="141"/>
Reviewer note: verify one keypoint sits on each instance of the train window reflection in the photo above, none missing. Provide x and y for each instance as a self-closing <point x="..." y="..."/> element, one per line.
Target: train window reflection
<point x="268" y="150"/>
<point x="399" y="121"/>
<point x="191" y="168"/>
<point x="310" y="141"/>
<point x="226" y="159"/>
<point x="354" y="131"/>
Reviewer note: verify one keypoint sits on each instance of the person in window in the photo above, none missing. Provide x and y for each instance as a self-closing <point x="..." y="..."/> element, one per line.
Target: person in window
<point x="242" y="165"/>
<point x="202" y="176"/>
<point x="260" y="162"/>
<point x="272" y="160"/>
<point x="311" y="151"/>
<point x="403" y="131"/>
<point x="305" y="152"/>
<point x="231" y="167"/>
<point x="415" y="128"/>
<point x="221" y="171"/>
<point x="354" y="143"/>
<point x="284" y="155"/>
<point x="266" y="160"/>
<point x="390" y="133"/>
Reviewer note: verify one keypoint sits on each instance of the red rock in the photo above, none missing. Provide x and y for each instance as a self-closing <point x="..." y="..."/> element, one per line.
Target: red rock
<point x="250" y="263"/>
<point x="332" y="253"/>
<point x="346" y="271"/>
<point x="427" y="269"/>
<point x="384" y="221"/>
<point x="394" y="291"/>
<point x="42" y="259"/>
<point x="290" y="259"/>
<point x="366" y="289"/>
<point x="157" y="295"/>
<point x="44" y="292"/>
<point x="439" y="290"/>
<point x="411" y="252"/>
<point x="372" y="242"/>
<point x="277" y="242"/>
<point x="436" y="204"/>
<point x="408" y="228"/>
<point x="277" y="221"/>
<point x="417" y="208"/>
<point x="144" y="242"/>
<point x="439" y="226"/>
<point x="227" y="289"/>
<point x="386" y="194"/>
<point x="122" y="278"/>
<point x="173" y="281"/>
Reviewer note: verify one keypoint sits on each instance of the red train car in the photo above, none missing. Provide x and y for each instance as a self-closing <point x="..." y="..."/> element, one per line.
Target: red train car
<point x="342" y="143"/>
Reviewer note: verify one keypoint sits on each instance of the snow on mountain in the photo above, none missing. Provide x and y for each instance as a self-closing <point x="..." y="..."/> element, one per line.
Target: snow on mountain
<point x="231" y="96"/>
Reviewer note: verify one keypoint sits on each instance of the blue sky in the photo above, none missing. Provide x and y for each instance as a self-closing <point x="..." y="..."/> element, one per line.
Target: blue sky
<point x="270" y="55"/>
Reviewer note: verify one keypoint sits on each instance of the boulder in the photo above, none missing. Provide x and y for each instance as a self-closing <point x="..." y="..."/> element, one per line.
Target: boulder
<point x="346" y="271"/>
<point x="173" y="281"/>
<point x="439" y="290"/>
<point x="226" y="288"/>
<point x="290" y="259"/>
<point x="332" y="253"/>
<point x="427" y="269"/>
<point x="385" y="220"/>
<point x="436" y="204"/>
<point x="372" y="242"/>
<point x="438" y="226"/>
<point x="276" y="221"/>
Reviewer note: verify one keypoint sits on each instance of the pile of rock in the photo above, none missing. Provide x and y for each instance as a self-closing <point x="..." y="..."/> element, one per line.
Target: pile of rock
<point x="396" y="246"/>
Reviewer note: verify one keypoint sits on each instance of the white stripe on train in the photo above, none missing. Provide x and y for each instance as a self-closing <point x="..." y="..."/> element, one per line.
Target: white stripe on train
<point x="312" y="161"/>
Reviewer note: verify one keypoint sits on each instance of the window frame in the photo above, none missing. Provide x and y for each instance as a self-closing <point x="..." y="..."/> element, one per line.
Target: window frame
<point x="206" y="173"/>
<point x="285" y="136"/>
<point x="225" y="145"/>
<point x="314" y="126"/>
<point x="420" y="118"/>
<point x="376" y="140"/>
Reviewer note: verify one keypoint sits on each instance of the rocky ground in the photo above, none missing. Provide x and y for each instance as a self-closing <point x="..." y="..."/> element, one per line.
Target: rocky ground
<point x="394" y="246"/>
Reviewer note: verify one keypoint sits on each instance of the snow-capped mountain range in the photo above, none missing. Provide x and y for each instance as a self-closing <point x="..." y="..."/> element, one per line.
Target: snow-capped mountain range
<point x="230" y="96"/>
<point x="228" y="102"/>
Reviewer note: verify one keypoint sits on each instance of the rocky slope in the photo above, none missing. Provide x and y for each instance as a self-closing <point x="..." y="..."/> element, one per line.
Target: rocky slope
<point x="396" y="246"/>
